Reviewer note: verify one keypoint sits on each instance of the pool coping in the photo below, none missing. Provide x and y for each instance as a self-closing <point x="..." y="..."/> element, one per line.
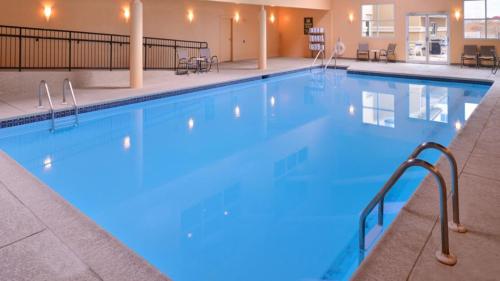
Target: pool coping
<point x="111" y="260"/>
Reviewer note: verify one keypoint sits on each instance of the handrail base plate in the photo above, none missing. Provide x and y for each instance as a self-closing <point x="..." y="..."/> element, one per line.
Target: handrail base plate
<point x="450" y="259"/>
<point x="459" y="228"/>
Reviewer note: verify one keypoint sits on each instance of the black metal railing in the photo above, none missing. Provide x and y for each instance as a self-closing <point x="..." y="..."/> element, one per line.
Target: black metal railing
<point x="24" y="48"/>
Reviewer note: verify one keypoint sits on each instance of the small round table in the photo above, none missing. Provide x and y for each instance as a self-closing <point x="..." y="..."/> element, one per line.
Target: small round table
<point x="376" y="55"/>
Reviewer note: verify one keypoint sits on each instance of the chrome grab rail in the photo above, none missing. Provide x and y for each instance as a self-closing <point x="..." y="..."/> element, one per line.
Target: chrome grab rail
<point x="43" y="86"/>
<point x="333" y="57"/>
<point x="444" y="256"/>
<point x="68" y="86"/>
<point x="315" y="59"/>
<point x="455" y="224"/>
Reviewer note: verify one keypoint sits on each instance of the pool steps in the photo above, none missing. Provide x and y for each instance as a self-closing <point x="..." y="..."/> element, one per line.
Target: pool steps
<point x="444" y="256"/>
<point x="43" y="88"/>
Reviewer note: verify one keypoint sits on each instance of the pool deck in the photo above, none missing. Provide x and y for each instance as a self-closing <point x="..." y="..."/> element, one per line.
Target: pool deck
<point x="42" y="237"/>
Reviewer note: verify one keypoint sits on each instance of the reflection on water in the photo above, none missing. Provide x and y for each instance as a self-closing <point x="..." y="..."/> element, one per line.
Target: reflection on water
<point x="428" y="103"/>
<point x="378" y="109"/>
<point x="259" y="181"/>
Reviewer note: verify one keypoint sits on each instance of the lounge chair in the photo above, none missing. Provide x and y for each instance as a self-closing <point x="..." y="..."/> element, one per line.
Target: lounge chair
<point x="389" y="54"/>
<point x="363" y="52"/>
<point x="470" y="54"/>
<point x="185" y="62"/>
<point x="487" y="54"/>
<point x="209" y="59"/>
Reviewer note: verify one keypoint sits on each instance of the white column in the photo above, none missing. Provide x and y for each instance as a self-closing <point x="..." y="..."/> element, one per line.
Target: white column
<point x="263" y="39"/>
<point x="136" y="44"/>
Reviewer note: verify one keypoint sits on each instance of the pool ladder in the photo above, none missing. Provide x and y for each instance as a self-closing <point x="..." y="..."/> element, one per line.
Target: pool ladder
<point x="444" y="256"/>
<point x="43" y="88"/>
<point x="320" y="52"/>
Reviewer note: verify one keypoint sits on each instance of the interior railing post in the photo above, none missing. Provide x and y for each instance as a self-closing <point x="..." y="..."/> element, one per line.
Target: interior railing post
<point x="20" y="48"/>
<point x="70" y="55"/>
<point x="111" y="53"/>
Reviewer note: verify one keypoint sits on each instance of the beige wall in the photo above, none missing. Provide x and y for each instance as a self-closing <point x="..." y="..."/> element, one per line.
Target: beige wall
<point x="167" y="18"/>
<point x="162" y="18"/>
<point x="351" y="33"/>
<point x="293" y="42"/>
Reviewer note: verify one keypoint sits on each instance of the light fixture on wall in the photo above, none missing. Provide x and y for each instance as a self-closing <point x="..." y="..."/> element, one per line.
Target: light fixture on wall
<point x="190" y="15"/>
<point x="126" y="13"/>
<point x="237" y="17"/>
<point x="351" y="17"/>
<point x="47" y="11"/>
<point x="272" y="18"/>
<point x="458" y="15"/>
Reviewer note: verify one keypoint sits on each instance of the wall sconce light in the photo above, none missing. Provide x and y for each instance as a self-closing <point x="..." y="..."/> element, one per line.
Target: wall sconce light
<point x="237" y="17"/>
<point x="47" y="12"/>
<point x="126" y="13"/>
<point x="272" y="18"/>
<point x="190" y="16"/>
<point x="458" y="15"/>
<point x="351" y="17"/>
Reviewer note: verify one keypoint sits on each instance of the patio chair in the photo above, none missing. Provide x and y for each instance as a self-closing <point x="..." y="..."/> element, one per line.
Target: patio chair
<point x="487" y="54"/>
<point x="209" y="59"/>
<point x="184" y="62"/>
<point x="470" y="54"/>
<point x="363" y="52"/>
<point x="389" y="54"/>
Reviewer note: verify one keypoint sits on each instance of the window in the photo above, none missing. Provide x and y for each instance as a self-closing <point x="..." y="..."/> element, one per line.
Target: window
<point x="377" y="20"/>
<point x="482" y="19"/>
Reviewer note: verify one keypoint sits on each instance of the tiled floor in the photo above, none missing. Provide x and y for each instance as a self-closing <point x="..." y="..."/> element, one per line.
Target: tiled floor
<point x="42" y="237"/>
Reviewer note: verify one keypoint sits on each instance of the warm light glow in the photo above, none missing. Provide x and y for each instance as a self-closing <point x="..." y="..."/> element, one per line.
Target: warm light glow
<point x="272" y="101"/>
<point x="47" y="12"/>
<point x="458" y="15"/>
<point x="351" y="17"/>
<point x="272" y="18"/>
<point x="126" y="143"/>
<point x="47" y="163"/>
<point x="351" y="109"/>
<point x="190" y="16"/>
<point x="237" y="112"/>
<point x="237" y="17"/>
<point x="458" y="125"/>
<point x="126" y="13"/>
<point x="191" y="123"/>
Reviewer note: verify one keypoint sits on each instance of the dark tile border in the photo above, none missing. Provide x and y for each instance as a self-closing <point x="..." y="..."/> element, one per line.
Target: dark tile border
<point x="422" y="77"/>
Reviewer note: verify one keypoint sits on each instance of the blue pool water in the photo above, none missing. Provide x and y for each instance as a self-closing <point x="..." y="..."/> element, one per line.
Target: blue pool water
<point x="263" y="180"/>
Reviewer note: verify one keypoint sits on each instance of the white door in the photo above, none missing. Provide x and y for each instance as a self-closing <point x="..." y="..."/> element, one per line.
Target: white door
<point x="226" y="40"/>
<point x="427" y="38"/>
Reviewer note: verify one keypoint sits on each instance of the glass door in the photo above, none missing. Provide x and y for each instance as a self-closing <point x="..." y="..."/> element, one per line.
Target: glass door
<point x="427" y="38"/>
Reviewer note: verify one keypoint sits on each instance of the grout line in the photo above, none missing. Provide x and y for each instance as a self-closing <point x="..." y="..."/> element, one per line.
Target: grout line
<point x="23" y="238"/>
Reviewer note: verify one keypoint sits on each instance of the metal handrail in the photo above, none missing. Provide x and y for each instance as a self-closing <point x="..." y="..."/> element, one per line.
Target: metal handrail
<point x="333" y="57"/>
<point x="455" y="224"/>
<point x="68" y="86"/>
<point x="43" y="86"/>
<point x="444" y="256"/>
<point x="316" y="58"/>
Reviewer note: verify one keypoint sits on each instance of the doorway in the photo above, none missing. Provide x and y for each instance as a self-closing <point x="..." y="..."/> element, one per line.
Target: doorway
<point x="427" y="38"/>
<point x="226" y="40"/>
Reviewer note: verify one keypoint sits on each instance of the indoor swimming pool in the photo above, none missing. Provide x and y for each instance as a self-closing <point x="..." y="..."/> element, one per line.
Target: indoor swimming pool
<point x="262" y="180"/>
